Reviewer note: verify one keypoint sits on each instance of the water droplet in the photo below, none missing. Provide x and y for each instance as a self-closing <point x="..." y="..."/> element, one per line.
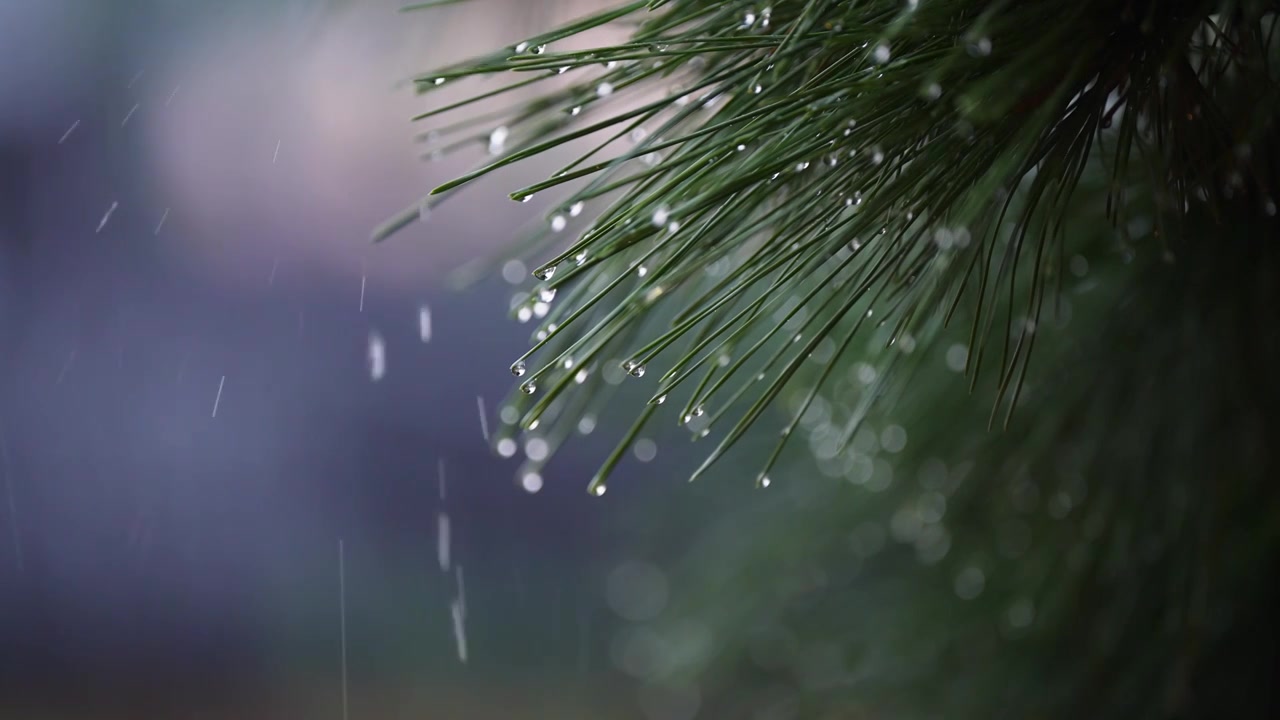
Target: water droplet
<point x="576" y="209"/>
<point x="567" y="364"/>
<point x="580" y="258"/>
<point x="521" y="47"/>
<point x="438" y="81"/>
<point x="801" y="167"/>
<point x="599" y="490"/>
<point x="576" y="110"/>
<point x="881" y="53"/>
<point x="537" y="449"/>
<point x="531" y="482"/>
<point x="545" y="273"/>
<point x="660" y="215"/>
<point x="539" y="49"/>
<point x="637" y="370"/>
<point x="586" y="425"/>
<point x="642" y="271"/>
<point x="529" y="388"/>
<point x="581" y="376"/>
<point x="558" y="223"/>
<point x="645" y="450"/>
<point x="498" y="140"/>
<point x="699" y="411"/>
<point x="741" y="147"/>
<point x="506" y="447"/>
<point x="765" y="481"/>
<point x="604" y="89"/>
<point x="518" y="369"/>
<point x="660" y="399"/>
<point x="758" y="89"/>
<point x="524" y="314"/>
<point x="546" y="295"/>
<point x="980" y="47"/>
<point x="749" y="19"/>
<point x="540" y="309"/>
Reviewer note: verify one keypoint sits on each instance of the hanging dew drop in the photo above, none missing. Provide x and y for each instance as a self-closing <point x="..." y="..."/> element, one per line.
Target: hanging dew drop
<point x="765" y="481"/>
<point x="576" y="209"/>
<point x="581" y="377"/>
<point x="599" y="490"/>
<point x="660" y="216"/>
<point x="642" y="271"/>
<point x="524" y="314"/>
<point x="522" y="47"/>
<point x="604" y="90"/>
<point x="539" y="49"/>
<point x="438" y="81"/>
<point x="580" y="258"/>
<point x="498" y="140"/>
<point x="558" y="223"/>
<point x="545" y="273"/>
<point x="529" y="388"/>
<point x="546" y="295"/>
<point x="518" y="369"/>
<point x="637" y="370"/>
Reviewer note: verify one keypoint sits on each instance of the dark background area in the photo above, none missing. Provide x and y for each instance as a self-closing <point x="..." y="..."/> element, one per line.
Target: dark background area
<point x="160" y="561"/>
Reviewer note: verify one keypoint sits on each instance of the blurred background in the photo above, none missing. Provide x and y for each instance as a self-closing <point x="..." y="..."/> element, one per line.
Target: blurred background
<point x="211" y="507"/>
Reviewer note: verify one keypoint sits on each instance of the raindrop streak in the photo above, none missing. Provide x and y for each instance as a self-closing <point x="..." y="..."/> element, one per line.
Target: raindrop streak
<point x="135" y="79"/>
<point x="484" y="422"/>
<point x="164" y="216"/>
<point x="442" y="541"/>
<point x="70" y="130"/>
<point x="13" y="508"/>
<point x="218" y="398"/>
<point x="276" y="155"/>
<point x="440" y="466"/>
<point x="342" y="619"/>
<point x="172" y="95"/>
<point x="377" y="357"/>
<point x="363" y="282"/>
<point x="459" y="630"/>
<point x="424" y="323"/>
<point x="132" y="110"/>
<point x="271" y="277"/>
<point x="107" y="216"/>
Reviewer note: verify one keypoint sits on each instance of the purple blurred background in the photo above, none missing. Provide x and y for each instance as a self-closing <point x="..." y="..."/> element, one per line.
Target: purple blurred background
<point x="186" y="192"/>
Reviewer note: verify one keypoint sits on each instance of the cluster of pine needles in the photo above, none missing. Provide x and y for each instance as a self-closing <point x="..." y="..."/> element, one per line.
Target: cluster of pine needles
<point x="767" y="186"/>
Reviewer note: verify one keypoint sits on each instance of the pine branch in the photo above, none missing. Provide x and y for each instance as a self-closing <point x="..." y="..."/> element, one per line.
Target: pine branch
<point x="772" y="186"/>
